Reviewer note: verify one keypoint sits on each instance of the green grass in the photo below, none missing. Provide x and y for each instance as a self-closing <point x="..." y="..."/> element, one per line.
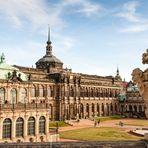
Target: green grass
<point x="60" y="124"/>
<point x="136" y="122"/>
<point x="108" y="118"/>
<point x="99" y="134"/>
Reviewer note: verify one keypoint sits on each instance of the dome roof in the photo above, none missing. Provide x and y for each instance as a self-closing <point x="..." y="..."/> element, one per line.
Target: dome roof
<point x="5" y="69"/>
<point x="49" y="58"/>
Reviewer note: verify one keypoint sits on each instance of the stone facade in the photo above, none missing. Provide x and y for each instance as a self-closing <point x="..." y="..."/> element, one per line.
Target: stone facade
<point x="132" y="103"/>
<point x="32" y="97"/>
<point x="141" y="79"/>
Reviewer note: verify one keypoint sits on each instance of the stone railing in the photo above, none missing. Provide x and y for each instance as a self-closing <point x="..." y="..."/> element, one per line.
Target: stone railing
<point x="28" y="106"/>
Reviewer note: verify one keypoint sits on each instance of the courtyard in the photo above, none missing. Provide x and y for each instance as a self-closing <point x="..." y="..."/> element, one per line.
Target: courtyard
<point x="108" y="130"/>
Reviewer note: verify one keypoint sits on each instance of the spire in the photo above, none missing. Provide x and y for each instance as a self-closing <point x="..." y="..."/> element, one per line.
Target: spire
<point x="49" y="47"/>
<point x="117" y="71"/>
<point x="118" y="77"/>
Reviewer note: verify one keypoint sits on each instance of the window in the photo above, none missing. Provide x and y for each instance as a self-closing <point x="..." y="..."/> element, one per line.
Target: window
<point x="7" y="128"/>
<point x="13" y="96"/>
<point x="33" y="91"/>
<point x="31" y="126"/>
<point x="71" y="92"/>
<point x="49" y="92"/>
<point x="19" y="127"/>
<point x="41" y="91"/>
<point x="2" y="95"/>
<point x="23" y="95"/>
<point x="42" y="125"/>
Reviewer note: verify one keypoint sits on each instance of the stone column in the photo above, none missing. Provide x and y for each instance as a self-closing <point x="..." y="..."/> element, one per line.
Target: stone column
<point x="18" y="94"/>
<point x="105" y="109"/>
<point x="47" y="127"/>
<point x="13" y="129"/>
<point x="37" y="127"/>
<point x="25" y="128"/>
<point x="109" y="110"/>
<point x="84" y="110"/>
<point x="100" y="110"/>
<point x="1" y="128"/>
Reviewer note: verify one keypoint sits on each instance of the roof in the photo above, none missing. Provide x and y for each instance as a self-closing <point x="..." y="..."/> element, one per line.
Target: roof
<point x="132" y="87"/>
<point x="49" y="58"/>
<point x="6" y="68"/>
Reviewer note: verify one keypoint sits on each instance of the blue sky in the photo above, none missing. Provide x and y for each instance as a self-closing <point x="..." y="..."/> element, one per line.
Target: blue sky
<point x="89" y="36"/>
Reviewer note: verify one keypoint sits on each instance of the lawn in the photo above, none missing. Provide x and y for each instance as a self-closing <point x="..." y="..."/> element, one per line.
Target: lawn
<point x="109" y="118"/>
<point x="99" y="134"/>
<point x="58" y="123"/>
<point x="137" y="122"/>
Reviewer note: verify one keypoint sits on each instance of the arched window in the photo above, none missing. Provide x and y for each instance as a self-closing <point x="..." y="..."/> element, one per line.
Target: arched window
<point x="81" y="92"/>
<point x="23" y="95"/>
<point x="130" y="108"/>
<point x="92" y="92"/>
<point x="19" y="127"/>
<point x="13" y="96"/>
<point x="41" y="91"/>
<point x="31" y="126"/>
<point x="140" y="108"/>
<point x="86" y="92"/>
<point x="71" y="92"/>
<point x="42" y="125"/>
<point x="33" y="91"/>
<point x="2" y="95"/>
<point x="87" y="107"/>
<point x="92" y="107"/>
<point x="7" y="125"/>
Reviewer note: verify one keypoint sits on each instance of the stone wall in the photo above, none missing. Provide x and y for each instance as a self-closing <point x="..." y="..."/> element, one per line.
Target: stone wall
<point x="108" y="144"/>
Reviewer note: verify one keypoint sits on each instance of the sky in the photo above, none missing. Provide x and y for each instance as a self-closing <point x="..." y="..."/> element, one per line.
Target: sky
<point x="88" y="36"/>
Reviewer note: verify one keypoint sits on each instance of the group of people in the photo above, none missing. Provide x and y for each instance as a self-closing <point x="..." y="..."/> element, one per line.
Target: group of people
<point x="96" y="123"/>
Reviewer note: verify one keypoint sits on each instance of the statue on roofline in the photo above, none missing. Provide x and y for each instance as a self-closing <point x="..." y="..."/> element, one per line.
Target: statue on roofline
<point x="2" y="58"/>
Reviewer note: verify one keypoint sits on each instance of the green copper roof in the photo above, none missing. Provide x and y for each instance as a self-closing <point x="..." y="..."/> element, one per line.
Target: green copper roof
<point x="122" y="97"/>
<point x="5" y="69"/>
<point x="132" y="88"/>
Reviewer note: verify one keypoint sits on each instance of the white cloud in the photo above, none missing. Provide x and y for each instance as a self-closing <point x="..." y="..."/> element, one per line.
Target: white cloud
<point x="24" y="12"/>
<point x="135" y="22"/>
<point x="128" y="11"/>
<point x="39" y="13"/>
<point x="135" y="28"/>
<point x="85" y="7"/>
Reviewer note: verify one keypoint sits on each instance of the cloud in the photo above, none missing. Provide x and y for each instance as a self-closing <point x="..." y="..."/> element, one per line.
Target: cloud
<point x="33" y="12"/>
<point x="135" y="28"/>
<point x="85" y="7"/>
<point x="39" y="13"/>
<point x="128" y="12"/>
<point x="135" y="22"/>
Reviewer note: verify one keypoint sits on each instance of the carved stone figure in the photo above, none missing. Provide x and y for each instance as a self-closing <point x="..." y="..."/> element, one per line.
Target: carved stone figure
<point x="140" y="78"/>
<point x="145" y="57"/>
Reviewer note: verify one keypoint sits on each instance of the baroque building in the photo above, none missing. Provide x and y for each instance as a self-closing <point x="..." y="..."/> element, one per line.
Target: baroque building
<point x="131" y="102"/>
<point x="32" y="97"/>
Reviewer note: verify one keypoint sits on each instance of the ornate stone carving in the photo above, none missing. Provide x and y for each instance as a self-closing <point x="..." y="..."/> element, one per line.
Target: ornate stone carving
<point x="139" y="77"/>
<point x="145" y="57"/>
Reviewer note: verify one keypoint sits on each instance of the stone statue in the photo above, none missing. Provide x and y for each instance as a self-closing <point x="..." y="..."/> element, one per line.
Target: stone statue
<point x="141" y="78"/>
<point x="145" y="57"/>
<point x="2" y="58"/>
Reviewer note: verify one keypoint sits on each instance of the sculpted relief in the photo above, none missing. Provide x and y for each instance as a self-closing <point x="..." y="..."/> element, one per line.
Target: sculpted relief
<point x="141" y="79"/>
